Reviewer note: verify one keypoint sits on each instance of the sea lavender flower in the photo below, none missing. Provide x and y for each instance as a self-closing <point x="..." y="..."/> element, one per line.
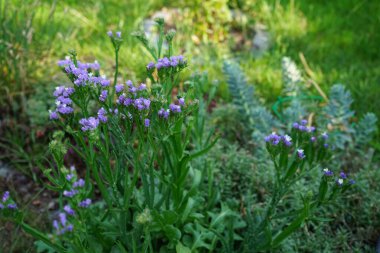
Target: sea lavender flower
<point x="300" y="154"/>
<point x="79" y="183"/>
<point x="295" y="125"/>
<point x="129" y="83"/>
<point x="326" y="145"/>
<point x="85" y="203"/>
<point x="64" y="109"/>
<point x="313" y="139"/>
<point x="53" y="115"/>
<point x="327" y="172"/>
<point x="175" y="108"/>
<point x="103" y="95"/>
<point x="62" y="218"/>
<point x="128" y="101"/>
<point x="147" y="122"/>
<point x="118" y="34"/>
<point x="142" y="87"/>
<point x="352" y="181"/>
<point x="89" y="124"/>
<point x="163" y="113"/>
<point x="12" y="206"/>
<point x="150" y="66"/>
<point x="343" y="175"/>
<point x="119" y="88"/>
<point x="58" y="91"/>
<point x="95" y="65"/>
<point x="5" y="196"/>
<point x="102" y="115"/>
<point x="287" y="140"/>
<point x="302" y="128"/>
<point x="325" y="136"/>
<point x="110" y="34"/>
<point x="70" y="193"/>
<point x="64" y="100"/>
<point x="273" y="139"/>
<point x="69" y="210"/>
<point x="68" y="91"/>
<point x="339" y="181"/>
<point x="181" y="101"/>
<point x="1" y="206"/>
<point x="132" y="89"/>
<point x="104" y="82"/>
<point x="304" y="122"/>
<point x="69" y="177"/>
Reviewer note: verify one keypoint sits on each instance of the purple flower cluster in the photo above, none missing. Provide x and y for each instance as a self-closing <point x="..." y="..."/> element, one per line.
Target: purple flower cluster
<point x="6" y="202"/>
<point x="81" y="74"/>
<point x="89" y="124"/>
<point x="302" y="126"/>
<point x="301" y="153"/>
<point x="62" y="226"/>
<point x="164" y="113"/>
<point x="63" y="102"/>
<point x="102" y="115"/>
<point x="85" y="203"/>
<point x="110" y="34"/>
<point x="328" y="172"/>
<point x="274" y="139"/>
<point x="166" y="63"/>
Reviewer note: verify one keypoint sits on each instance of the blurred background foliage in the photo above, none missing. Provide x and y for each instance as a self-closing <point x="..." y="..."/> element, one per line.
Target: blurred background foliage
<point x="330" y="41"/>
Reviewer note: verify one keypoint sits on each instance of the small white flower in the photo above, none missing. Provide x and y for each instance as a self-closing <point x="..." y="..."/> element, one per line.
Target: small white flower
<point x="340" y="181"/>
<point x="288" y="138"/>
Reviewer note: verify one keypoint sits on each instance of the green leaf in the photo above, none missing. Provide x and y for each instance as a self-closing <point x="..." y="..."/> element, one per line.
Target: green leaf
<point x="180" y="248"/>
<point x="172" y="233"/>
<point x="170" y="217"/>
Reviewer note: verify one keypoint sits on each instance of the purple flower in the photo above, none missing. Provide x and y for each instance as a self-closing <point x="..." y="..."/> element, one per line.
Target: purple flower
<point x="70" y="193"/>
<point x="95" y="65"/>
<point x="163" y="113"/>
<point x="110" y="34"/>
<point x="146" y="103"/>
<point x="129" y="83"/>
<point x="68" y="91"/>
<point x="175" y="108"/>
<point x="5" y="196"/>
<point x="64" y="100"/>
<point x="1" y="206"/>
<point x="79" y="183"/>
<point x="343" y="175"/>
<point x="119" y="88"/>
<point x="62" y="218"/>
<point x="89" y="124"/>
<point x="326" y="145"/>
<point x="287" y="140"/>
<point x="181" y="101"/>
<point x="104" y="82"/>
<point x="85" y="203"/>
<point x="325" y="136"/>
<point x="304" y="122"/>
<point x="313" y="139"/>
<point x="118" y="34"/>
<point x="133" y="89"/>
<point x="58" y="91"/>
<point x="69" y="210"/>
<point x="53" y="115"/>
<point x="103" y="95"/>
<point x="120" y="99"/>
<point x="69" y="228"/>
<point x="273" y="138"/>
<point x="64" y="109"/>
<point x="147" y="122"/>
<point x="310" y="129"/>
<point x="69" y="177"/>
<point x="150" y="65"/>
<point x="295" y="125"/>
<point x="300" y="154"/>
<point x="142" y="87"/>
<point x="352" y="181"/>
<point x="302" y="128"/>
<point x="128" y="101"/>
<point x="12" y="206"/>
<point x="102" y="115"/>
<point x="328" y="172"/>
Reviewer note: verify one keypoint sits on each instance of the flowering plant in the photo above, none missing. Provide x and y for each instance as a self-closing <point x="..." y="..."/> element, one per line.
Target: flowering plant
<point x="140" y="145"/>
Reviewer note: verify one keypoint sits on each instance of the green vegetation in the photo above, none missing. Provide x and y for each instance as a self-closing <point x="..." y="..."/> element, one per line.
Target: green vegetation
<point x="331" y="42"/>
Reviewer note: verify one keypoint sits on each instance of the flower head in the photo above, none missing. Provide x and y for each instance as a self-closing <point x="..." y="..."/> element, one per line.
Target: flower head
<point x="147" y="122"/>
<point x="328" y="172"/>
<point x="300" y="153"/>
<point x="273" y="139"/>
<point x="89" y="124"/>
<point x="119" y="88"/>
<point x="85" y="203"/>
<point x="287" y="140"/>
